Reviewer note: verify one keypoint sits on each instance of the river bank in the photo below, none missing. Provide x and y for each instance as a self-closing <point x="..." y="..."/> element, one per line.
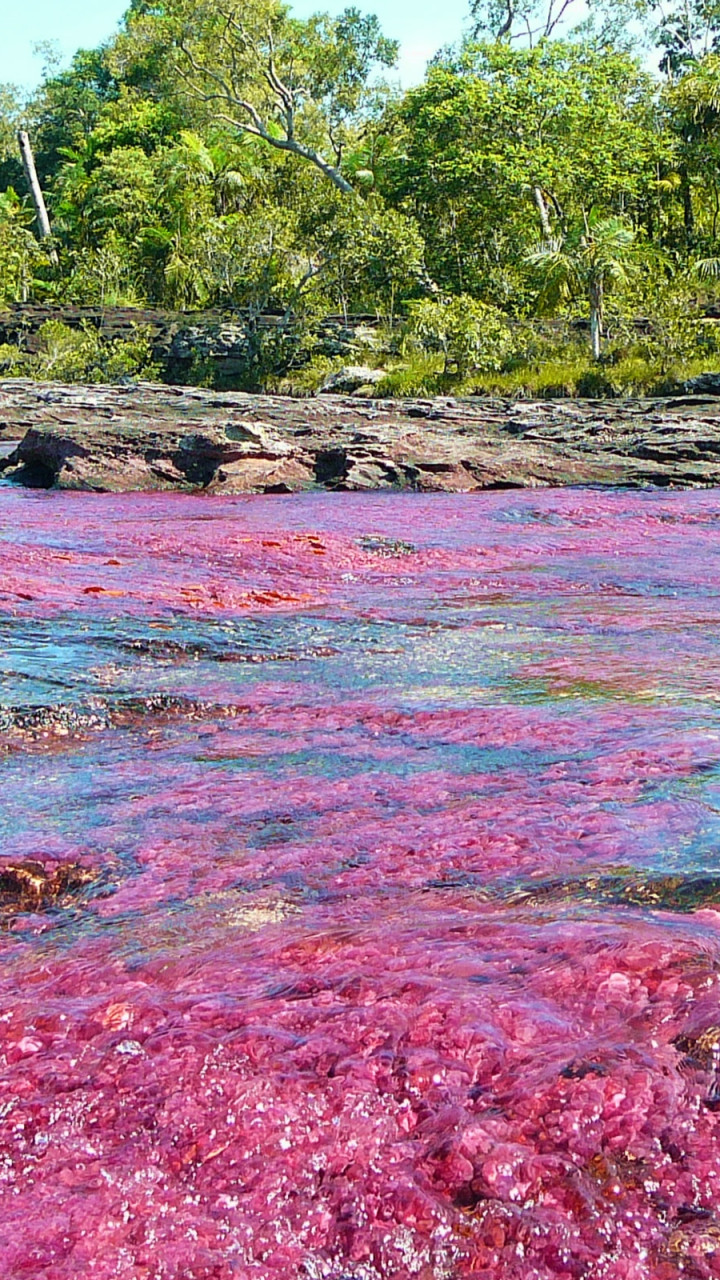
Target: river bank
<point x="151" y="437"/>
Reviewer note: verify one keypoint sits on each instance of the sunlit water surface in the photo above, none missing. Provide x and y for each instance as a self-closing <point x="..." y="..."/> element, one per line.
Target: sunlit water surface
<point x="398" y="952"/>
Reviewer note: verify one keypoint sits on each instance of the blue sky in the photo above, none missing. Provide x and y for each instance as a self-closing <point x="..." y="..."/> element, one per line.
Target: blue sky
<point x="423" y="26"/>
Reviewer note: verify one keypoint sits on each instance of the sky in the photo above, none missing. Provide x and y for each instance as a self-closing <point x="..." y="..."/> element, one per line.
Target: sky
<point x="423" y="26"/>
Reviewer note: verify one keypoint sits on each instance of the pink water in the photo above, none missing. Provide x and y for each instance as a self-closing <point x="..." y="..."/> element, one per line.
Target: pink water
<point x="402" y="956"/>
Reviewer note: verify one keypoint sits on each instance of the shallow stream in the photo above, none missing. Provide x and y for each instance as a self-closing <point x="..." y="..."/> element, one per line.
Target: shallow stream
<point x="360" y="886"/>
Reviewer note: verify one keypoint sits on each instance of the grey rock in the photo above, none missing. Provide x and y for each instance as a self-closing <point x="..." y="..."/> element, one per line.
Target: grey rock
<point x="703" y="384"/>
<point x="351" y="378"/>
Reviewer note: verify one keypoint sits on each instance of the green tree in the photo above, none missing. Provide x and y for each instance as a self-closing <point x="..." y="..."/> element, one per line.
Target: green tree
<point x="67" y="107"/>
<point x="305" y="88"/>
<point x="469" y="334"/>
<point x="361" y="255"/>
<point x="586" y="264"/>
<point x="11" y="119"/>
<point x="692" y="102"/>
<point x="684" y="32"/>
<point x="501" y="144"/>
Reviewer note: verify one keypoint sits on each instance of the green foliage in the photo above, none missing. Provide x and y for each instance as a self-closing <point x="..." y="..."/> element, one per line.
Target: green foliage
<point x="587" y="263"/>
<point x="496" y="132"/>
<point x="305" y="380"/>
<point x="471" y="335"/>
<point x="80" y="355"/>
<point x="21" y="257"/>
<point x="420" y="373"/>
<point x="595" y="256"/>
<point x="680" y="334"/>
<point x="235" y="156"/>
<point x="362" y="257"/>
<point x="68" y="107"/>
<point x="11" y="119"/>
<point x="304" y="87"/>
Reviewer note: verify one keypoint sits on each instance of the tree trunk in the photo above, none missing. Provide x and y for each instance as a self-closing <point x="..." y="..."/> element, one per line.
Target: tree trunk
<point x="596" y="300"/>
<point x="543" y="211"/>
<point x="35" y="190"/>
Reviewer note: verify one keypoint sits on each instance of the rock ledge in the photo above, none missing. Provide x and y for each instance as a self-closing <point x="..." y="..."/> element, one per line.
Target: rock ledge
<point x="153" y="437"/>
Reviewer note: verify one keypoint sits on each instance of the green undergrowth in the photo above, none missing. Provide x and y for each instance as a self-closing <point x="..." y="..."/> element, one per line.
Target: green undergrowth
<point x="554" y="371"/>
<point x="576" y="376"/>
<point x="475" y="351"/>
<point x="585" y="379"/>
<point x="81" y="355"/>
<point x="572" y="376"/>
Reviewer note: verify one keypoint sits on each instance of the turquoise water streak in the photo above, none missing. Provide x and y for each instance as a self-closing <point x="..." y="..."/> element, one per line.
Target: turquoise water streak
<point x="360" y="886"/>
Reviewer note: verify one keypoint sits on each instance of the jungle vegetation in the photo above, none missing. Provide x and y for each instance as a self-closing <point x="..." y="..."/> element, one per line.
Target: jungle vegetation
<point x="541" y="215"/>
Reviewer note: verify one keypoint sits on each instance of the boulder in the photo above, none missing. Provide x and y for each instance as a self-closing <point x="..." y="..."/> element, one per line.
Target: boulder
<point x="350" y="378"/>
<point x="703" y="384"/>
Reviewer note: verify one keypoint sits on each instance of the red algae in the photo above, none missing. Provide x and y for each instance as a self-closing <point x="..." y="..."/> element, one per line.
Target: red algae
<point x="362" y="891"/>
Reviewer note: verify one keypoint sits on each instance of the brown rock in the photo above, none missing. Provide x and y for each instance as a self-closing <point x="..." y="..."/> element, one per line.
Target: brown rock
<point x="159" y="437"/>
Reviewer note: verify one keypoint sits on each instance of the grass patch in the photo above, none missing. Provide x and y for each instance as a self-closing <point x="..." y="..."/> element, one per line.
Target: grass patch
<point x="419" y="374"/>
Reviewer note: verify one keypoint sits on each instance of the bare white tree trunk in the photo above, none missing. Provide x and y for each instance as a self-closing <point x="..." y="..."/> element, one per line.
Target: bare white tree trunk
<point x="33" y="182"/>
<point x="543" y="211"/>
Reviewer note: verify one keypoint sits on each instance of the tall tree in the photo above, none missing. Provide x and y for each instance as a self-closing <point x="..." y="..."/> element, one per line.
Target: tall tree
<point x="693" y="104"/>
<point x="306" y="88"/>
<point x="501" y="144"/>
<point x="684" y="30"/>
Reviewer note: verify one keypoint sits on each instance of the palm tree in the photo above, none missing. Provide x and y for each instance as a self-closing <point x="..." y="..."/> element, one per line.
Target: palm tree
<point x="707" y="268"/>
<point x="229" y="170"/>
<point x="586" y="263"/>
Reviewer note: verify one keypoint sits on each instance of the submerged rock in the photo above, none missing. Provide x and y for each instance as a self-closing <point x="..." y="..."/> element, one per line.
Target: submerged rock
<point x="30" y="886"/>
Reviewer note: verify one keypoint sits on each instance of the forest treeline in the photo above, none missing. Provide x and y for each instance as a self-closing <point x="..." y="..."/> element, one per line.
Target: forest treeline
<point x="541" y="214"/>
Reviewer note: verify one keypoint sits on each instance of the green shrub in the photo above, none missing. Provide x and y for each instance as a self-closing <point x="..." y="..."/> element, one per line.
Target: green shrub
<point x="469" y="334"/>
<point x="307" y="379"/>
<point x="80" y="355"/>
<point x="419" y="374"/>
<point x="13" y="362"/>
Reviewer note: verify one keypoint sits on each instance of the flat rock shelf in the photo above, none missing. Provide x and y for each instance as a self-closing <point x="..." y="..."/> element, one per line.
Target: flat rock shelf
<point x="153" y="437"/>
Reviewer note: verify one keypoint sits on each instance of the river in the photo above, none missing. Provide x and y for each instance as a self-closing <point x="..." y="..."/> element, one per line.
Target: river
<point x="360" y="886"/>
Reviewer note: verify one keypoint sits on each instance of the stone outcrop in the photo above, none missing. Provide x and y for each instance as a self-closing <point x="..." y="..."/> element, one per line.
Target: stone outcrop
<point x="151" y="437"/>
<point x="351" y="378"/>
<point x="222" y="344"/>
<point x="703" y="384"/>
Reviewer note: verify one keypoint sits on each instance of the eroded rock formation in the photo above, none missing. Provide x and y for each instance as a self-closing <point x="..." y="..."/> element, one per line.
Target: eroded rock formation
<point x="152" y="437"/>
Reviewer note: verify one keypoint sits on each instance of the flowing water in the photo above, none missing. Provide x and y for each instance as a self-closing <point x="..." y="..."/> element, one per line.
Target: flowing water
<point x="360" y="886"/>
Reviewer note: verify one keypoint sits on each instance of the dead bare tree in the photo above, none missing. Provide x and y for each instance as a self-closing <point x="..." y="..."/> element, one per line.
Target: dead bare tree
<point x="36" y="194"/>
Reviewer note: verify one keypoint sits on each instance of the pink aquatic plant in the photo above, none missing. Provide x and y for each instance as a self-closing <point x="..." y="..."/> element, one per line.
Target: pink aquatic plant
<point x="386" y="940"/>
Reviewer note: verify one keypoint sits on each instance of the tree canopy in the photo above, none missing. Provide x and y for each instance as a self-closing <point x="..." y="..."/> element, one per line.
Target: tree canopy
<point x="234" y="155"/>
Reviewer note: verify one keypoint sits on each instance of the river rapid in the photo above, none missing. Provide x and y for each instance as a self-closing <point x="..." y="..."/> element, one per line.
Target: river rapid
<point x="360" y="886"/>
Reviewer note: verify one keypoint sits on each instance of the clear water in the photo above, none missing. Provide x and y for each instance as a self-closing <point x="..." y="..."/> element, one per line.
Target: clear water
<point x="396" y="948"/>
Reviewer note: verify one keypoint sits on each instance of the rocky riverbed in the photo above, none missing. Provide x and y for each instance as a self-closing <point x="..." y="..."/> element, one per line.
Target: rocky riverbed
<point x="154" y="437"/>
<point x="359" y="886"/>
